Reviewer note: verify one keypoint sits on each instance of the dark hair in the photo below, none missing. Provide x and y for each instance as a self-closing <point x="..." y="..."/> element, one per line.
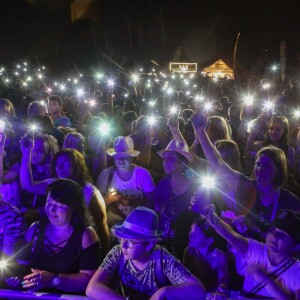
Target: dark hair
<point x="279" y="159"/>
<point x="129" y="116"/>
<point x="81" y="173"/>
<point x="284" y="141"/>
<point x="4" y="101"/>
<point x="51" y="145"/>
<point x="232" y="157"/>
<point x="69" y="192"/>
<point x="57" y="99"/>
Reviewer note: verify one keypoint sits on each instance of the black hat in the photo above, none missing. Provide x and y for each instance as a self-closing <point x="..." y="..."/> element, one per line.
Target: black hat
<point x="289" y="222"/>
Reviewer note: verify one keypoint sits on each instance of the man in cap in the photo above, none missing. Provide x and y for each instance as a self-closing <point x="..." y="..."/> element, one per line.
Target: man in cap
<point x="138" y="269"/>
<point x="271" y="271"/>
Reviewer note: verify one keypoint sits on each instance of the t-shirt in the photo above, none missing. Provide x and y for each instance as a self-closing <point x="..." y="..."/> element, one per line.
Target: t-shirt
<point x="10" y="232"/>
<point x="288" y="281"/>
<point x="142" y="284"/>
<point x="140" y="183"/>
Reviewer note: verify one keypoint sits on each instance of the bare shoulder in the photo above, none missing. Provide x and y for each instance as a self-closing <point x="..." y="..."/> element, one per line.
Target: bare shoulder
<point x="89" y="237"/>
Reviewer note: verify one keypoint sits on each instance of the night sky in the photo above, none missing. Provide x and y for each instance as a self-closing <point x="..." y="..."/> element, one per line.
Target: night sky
<point x="132" y="33"/>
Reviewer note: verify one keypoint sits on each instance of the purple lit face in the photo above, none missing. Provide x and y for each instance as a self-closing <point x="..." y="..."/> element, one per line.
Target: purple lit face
<point x="59" y="214"/>
<point x="276" y="131"/>
<point x="172" y="163"/>
<point x="265" y="170"/>
<point x="63" y="167"/>
<point x="123" y="163"/>
<point x="39" y="152"/>
<point x="197" y="239"/>
<point x="279" y="241"/>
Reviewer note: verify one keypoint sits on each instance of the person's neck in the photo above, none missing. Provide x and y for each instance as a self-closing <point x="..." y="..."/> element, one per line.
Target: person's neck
<point x="268" y="193"/>
<point x="278" y="258"/>
<point x="203" y="250"/>
<point x="125" y="173"/>
<point x="55" y="115"/>
<point x="61" y="230"/>
<point x="142" y="262"/>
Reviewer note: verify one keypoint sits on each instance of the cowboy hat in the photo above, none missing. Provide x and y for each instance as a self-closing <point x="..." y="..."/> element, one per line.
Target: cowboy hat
<point x="123" y="147"/>
<point x="178" y="147"/>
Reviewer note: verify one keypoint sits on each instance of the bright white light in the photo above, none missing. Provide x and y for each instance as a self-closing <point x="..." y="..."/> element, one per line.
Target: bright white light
<point x="274" y="68"/>
<point x="170" y="91"/>
<point x="152" y="103"/>
<point x="99" y="75"/>
<point x="135" y="78"/>
<point x="7" y="80"/>
<point x="92" y="103"/>
<point x="40" y="76"/>
<point x="17" y="73"/>
<point x="187" y="93"/>
<point x="49" y="90"/>
<point x="173" y="110"/>
<point x="43" y="102"/>
<point x="199" y="98"/>
<point x="33" y="127"/>
<point x="208" y="106"/>
<point x="248" y="100"/>
<point x="75" y="81"/>
<point x="186" y="82"/>
<point x="297" y="113"/>
<point x="269" y="105"/>
<point x="208" y="182"/>
<point x="148" y="85"/>
<point x="80" y="92"/>
<point x="126" y="95"/>
<point x="110" y="83"/>
<point x="266" y="86"/>
<point x="3" y="264"/>
<point x="250" y="125"/>
<point x="62" y="87"/>
<point x="152" y="120"/>
<point x="29" y="79"/>
<point x="104" y="129"/>
<point x="173" y="76"/>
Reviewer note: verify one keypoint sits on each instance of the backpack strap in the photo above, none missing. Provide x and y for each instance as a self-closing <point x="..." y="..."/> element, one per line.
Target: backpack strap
<point x="160" y="276"/>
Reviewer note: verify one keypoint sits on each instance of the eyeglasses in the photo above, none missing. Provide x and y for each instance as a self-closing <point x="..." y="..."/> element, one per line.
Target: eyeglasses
<point x="128" y="243"/>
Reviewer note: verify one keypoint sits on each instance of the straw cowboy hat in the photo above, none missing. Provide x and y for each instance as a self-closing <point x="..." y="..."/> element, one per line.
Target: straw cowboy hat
<point x="178" y="147"/>
<point x="123" y="147"/>
<point x="141" y="224"/>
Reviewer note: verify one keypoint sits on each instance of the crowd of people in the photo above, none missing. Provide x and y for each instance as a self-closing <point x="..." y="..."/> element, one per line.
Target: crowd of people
<point x="126" y="198"/>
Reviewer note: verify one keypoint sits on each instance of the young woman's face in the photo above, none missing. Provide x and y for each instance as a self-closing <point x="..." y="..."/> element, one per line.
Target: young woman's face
<point x="63" y="167"/>
<point x="58" y="214"/>
<point x="265" y="169"/>
<point x="276" y="131"/>
<point x="39" y="152"/>
<point x="172" y="163"/>
<point x="197" y="238"/>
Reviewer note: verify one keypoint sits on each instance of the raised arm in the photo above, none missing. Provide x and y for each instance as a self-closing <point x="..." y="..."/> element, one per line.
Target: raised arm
<point x="27" y="183"/>
<point x="228" y="175"/>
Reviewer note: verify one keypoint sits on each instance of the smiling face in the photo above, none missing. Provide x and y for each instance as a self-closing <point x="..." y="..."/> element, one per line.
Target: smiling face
<point x="265" y="170"/>
<point x="58" y="214"/>
<point x="276" y="131"/>
<point x="63" y="167"/>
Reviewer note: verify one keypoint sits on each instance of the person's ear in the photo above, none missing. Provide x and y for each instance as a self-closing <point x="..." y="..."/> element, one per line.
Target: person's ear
<point x="150" y="246"/>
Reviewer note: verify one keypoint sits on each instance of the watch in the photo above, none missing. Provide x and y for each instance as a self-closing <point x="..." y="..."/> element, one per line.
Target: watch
<point x="56" y="280"/>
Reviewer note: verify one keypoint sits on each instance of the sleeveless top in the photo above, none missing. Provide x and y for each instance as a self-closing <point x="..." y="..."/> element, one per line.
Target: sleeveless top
<point x="70" y="259"/>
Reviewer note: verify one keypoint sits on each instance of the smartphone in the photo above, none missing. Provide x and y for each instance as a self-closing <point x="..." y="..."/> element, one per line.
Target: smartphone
<point x="2" y="126"/>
